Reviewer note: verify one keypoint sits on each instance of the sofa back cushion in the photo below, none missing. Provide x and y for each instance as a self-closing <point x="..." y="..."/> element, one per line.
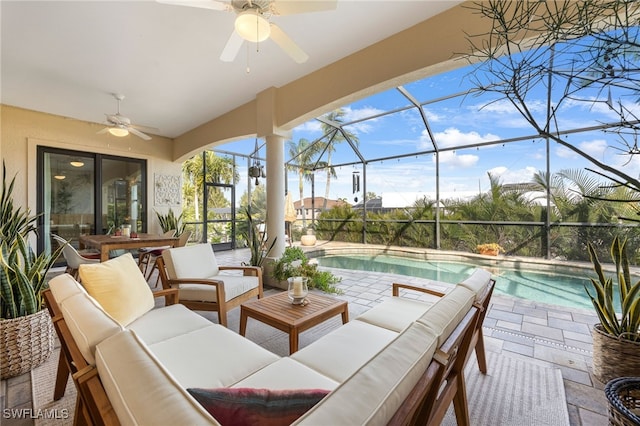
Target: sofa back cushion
<point x="477" y="282"/>
<point x="195" y="261"/>
<point x="376" y="390"/>
<point x="140" y="389"/>
<point x="119" y="287"/>
<point x="88" y="323"/>
<point x="445" y="315"/>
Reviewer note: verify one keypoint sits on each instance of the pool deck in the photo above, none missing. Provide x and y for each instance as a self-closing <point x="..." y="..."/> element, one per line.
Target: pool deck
<point x="553" y="335"/>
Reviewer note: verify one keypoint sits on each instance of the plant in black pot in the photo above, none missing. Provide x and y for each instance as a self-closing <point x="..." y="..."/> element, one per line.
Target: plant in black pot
<point x="616" y="339"/>
<point x="26" y="331"/>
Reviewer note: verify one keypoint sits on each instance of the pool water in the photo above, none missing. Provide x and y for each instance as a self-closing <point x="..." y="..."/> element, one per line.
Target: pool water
<point x="546" y="287"/>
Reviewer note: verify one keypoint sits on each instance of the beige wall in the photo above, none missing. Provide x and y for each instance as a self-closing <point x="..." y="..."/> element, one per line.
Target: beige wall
<point x="22" y="131"/>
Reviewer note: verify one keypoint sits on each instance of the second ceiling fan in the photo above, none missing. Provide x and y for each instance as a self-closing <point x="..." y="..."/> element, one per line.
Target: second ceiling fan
<point x="252" y="21"/>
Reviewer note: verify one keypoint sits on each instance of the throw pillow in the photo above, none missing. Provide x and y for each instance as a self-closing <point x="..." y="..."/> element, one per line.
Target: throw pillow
<point x="250" y="407"/>
<point x="119" y="287"/>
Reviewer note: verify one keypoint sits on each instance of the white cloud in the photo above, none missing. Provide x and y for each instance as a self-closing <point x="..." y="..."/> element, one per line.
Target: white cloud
<point x="451" y="159"/>
<point x="454" y="137"/>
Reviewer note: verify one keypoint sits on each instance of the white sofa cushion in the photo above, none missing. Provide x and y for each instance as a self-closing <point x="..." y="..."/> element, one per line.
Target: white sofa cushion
<point x="373" y="394"/>
<point x="445" y="315"/>
<point x="194" y="261"/>
<point x="396" y="313"/>
<point x="166" y="322"/>
<point x="477" y="281"/>
<point x="88" y="323"/>
<point x="119" y="287"/>
<point x="234" y="286"/>
<point x="340" y="353"/>
<point x="141" y="390"/>
<point x="287" y="373"/>
<point x="211" y="357"/>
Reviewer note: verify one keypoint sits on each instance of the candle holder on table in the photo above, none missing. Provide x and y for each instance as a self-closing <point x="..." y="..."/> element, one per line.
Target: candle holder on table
<point x="298" y="290"/>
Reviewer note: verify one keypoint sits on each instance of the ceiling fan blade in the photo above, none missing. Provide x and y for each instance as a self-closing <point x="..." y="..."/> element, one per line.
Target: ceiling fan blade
<point x="286" y="7"/>
<point x="143" y="128"/>
<point x="139" y="134"/>
<point x="232" y="47"/>
<point x="288" y="45"/>
<point x="204" y="4"/>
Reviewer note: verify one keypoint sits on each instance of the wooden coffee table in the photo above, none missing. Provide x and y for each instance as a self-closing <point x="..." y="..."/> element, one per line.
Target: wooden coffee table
<point x="277" y="311"/>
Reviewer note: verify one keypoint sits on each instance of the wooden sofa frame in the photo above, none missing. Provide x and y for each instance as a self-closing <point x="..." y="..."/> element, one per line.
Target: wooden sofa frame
<point x="427" y="403"/>
<point x="92" y="404"/>
<point x="222" y="306"/>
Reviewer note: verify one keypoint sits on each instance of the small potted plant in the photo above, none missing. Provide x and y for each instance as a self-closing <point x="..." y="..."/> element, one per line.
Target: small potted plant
<point x="294" y="263"/>
<point x="616" y="339"/>
<point x="489" y="249"/>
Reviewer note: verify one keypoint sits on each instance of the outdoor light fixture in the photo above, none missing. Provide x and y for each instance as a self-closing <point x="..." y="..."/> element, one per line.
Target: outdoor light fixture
<point x="256" y="170"/>
<point x="118" y="131"/>
<point x="252" y="26"/>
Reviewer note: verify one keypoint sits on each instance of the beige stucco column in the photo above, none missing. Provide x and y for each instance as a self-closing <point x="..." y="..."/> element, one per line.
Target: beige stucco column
<point x="275" y="194"/>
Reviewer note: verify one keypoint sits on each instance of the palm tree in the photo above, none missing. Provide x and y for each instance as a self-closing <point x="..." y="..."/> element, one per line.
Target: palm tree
<point x="304" y="154"/>
<point x="218" y="169"/>
<point x="331" y="127"/>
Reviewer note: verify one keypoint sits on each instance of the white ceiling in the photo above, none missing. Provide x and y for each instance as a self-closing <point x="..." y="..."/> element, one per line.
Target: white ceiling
<point x="68" y="57"/>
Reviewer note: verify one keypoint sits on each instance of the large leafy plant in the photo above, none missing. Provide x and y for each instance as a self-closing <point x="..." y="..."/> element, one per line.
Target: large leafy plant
<point x="257" y="242"/>
<point x="626" y="325"/>
<point x="22" y="272"/>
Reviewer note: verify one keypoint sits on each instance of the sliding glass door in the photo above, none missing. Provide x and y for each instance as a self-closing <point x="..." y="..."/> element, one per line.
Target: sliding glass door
<point x="85" y="193"/>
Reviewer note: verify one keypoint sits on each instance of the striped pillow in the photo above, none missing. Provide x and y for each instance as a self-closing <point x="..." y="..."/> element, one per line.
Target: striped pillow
<point x="250" y="407"/>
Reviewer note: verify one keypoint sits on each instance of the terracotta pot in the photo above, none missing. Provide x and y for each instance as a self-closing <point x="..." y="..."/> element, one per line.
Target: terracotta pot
<point x="488" y="252"/>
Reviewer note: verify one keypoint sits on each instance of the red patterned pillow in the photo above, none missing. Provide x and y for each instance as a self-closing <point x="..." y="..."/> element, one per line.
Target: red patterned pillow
<point x="250" y="407"/>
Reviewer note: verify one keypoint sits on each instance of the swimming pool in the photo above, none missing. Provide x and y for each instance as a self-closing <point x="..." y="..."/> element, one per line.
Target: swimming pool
<point x="546" y="286"/>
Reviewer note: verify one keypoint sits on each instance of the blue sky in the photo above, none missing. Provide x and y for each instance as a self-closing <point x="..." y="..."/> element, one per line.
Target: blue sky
<point x="455" y="122"/>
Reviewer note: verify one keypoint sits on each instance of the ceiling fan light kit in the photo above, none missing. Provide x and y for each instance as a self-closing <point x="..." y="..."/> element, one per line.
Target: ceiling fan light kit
<point x="119" y="132"/>
<point x="120" y="126"/>
<point x="252" y="26"/>
<point x="253" y="22"/>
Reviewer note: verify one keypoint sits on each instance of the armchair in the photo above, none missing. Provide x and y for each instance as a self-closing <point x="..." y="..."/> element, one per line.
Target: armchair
<point x="205" y="286"/>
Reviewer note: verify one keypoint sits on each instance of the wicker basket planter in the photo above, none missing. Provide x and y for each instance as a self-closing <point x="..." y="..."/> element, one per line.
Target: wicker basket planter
<point x="26" y="342"/>
<point x="624" y="401"/>
<point x="613" y="357"/>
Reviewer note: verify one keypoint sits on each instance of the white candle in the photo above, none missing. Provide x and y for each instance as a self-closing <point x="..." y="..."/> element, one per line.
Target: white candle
<point x="297" y="287"/>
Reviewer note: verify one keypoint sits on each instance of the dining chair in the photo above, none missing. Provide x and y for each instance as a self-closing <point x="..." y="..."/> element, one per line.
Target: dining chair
<point x="73" y="257"/>
<point x="145" y="254"/>
<point x="153" y="253"/>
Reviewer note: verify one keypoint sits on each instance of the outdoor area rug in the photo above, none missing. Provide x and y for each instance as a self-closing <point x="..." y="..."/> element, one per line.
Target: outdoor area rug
<point x="48" y="412"/>
<point x="515" y="391"/>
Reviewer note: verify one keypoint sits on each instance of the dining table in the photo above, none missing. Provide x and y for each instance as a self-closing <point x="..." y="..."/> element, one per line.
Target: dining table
<point x="106" y="243"/>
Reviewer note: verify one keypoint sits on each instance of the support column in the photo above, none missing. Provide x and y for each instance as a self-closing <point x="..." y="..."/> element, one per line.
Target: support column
<point x="275" y="194"/>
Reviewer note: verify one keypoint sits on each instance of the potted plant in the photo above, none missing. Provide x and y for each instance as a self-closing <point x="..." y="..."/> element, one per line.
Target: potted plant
<point x="294" y="263"/>
<point x="170" y="222"/>
<point x="490" y="249"/>
<point x="26" y="331"/>
<point x="256" y="241"/>
<point x="616" y="338"/>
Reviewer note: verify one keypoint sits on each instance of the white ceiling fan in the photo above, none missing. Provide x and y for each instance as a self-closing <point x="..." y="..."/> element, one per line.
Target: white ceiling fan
<point x="121" y="126"/>
<point x="252" y="21"/>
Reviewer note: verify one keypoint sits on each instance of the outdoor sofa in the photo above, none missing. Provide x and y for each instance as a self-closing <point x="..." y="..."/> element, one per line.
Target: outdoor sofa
<point x="144" y="367"/>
